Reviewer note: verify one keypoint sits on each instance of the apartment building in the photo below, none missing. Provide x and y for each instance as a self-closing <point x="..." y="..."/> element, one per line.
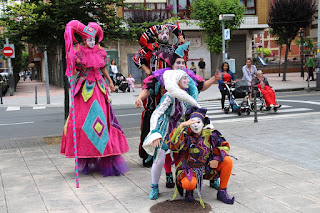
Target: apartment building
<point x="240" y="46"/>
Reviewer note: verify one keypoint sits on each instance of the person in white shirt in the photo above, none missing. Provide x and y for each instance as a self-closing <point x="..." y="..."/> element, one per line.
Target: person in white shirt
<point x="113" y="67"/>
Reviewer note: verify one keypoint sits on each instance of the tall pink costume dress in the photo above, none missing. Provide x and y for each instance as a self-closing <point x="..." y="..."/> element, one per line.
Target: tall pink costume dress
<point x="100" y="139"/>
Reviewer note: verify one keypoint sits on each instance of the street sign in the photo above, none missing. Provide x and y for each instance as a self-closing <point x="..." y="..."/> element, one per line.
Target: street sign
<point x="8" y="51"/>
<point x="227" y="34"/>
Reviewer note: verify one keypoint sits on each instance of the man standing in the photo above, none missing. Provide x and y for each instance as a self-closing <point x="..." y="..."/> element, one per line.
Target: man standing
<point x="202" y="68"/>
<point x="310" y="64"/>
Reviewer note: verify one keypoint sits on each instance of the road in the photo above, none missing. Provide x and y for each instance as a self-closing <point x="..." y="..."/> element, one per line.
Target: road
<point x="29" y="122"/>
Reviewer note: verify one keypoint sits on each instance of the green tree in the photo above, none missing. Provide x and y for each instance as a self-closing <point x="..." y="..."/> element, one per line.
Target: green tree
<point x="266" y="51"/>
<point x="286" y="17"/>
<point x="43" y="24"/>
<point x="308" y="43"/>
<point x="208" y="11"/>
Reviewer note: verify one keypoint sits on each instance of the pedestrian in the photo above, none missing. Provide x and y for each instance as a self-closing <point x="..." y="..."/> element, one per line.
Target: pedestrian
<point x="113" y="67"/>
<point x="311" y="66"/>
<point x="131" y="81"/>
<point x="227" y="78"/>
<point x="248" y="71"/>
<point x="210" y="162"/>
<point x="202" y="68"/>
<point x="164" y="119"/>
<point x="100" y="141"/>
<point x="193" y="68"/>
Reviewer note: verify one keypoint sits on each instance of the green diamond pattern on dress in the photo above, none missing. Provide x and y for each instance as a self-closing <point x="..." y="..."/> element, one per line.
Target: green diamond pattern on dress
<point x="87" y="90"/>
<point x="96" y="128"/>
<point x="102" y="85"/>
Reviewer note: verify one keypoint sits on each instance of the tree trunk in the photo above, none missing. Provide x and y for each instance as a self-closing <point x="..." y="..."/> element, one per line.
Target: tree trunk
<point x="286" y="61"/>
<point x="280" y="61"/>
<point x="66" y="87"/>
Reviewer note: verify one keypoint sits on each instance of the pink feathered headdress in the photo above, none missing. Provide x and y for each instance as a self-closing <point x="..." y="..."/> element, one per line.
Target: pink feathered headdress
<point x="92" y="30"/>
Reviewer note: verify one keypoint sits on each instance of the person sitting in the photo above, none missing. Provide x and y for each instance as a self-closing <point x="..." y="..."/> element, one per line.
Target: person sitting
<point x="204" y="155"/>
<point x="261" y="82"/>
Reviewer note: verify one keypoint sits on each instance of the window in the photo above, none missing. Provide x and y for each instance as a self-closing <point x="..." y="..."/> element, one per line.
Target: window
<point x="155" y="11"/>
<point x="183" y="8"/>
<point x="250" y="5"/>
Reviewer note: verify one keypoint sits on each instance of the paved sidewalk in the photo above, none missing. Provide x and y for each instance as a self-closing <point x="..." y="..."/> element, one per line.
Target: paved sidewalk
<point x="34" y="177"/>
<point x="25" y="94"/>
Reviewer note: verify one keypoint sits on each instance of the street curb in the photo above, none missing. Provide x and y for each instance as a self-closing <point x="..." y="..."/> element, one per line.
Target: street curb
<point x="294" y="89"/>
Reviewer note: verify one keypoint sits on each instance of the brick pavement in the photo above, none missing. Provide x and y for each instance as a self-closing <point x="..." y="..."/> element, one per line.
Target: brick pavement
<point x="34" y="177"/>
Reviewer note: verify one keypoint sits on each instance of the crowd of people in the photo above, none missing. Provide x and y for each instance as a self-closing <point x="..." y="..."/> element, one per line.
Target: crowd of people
<point x="172" y="120"/>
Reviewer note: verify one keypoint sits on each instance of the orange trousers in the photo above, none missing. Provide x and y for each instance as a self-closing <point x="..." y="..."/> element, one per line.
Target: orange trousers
<point x="224" y="168"/>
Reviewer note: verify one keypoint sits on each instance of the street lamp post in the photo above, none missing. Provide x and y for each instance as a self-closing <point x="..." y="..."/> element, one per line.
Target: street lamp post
<point x="222" y="18"/>
<point x="301" y="52"/>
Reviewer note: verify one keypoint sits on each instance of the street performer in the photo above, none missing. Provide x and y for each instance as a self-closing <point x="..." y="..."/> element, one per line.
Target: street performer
<point x="156" y="38"/>
<point x="100" y="141"/>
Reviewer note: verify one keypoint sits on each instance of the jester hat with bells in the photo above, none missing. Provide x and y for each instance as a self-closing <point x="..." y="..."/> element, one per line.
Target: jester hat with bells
<point x="92" y="30"/>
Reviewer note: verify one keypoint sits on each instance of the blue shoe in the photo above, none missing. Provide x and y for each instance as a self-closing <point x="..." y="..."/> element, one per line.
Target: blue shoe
<point x="154" y="194"/>
<point x="215" y="183"/>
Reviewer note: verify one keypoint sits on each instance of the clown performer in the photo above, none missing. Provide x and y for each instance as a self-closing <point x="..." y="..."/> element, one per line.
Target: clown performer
<point x="148" y="62"/>
<point x="144" y="59"/>
<point x="164" y="119"/>
<point x="204" y="153"/>
<point x="154" y="88"/>
<point x="99" y="137"/>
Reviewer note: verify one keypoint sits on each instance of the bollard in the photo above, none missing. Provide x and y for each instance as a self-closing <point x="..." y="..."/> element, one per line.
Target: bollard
<point x="308" y="89"/>
<point x="11" y="84"/>
<point x="255" y="105"/>
<point x="35" y="90"/>
<point x="1" y="91"/>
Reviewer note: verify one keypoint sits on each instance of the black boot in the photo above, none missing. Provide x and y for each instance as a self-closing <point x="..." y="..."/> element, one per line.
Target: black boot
<point x="189" y="196"/>
<point x="180" y="189"/>
<point x="169" y="180"/>
<point x="147" y="164"/>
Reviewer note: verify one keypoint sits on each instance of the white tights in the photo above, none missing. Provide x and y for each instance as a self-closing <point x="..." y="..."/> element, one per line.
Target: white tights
<point x="157" y="167"/>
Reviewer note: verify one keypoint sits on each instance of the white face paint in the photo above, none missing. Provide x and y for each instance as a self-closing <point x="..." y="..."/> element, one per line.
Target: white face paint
<point x="163" y="37"/>
<point x="179" y="64"/>
<point x="197" y="127"/>
<point x="184" y="82"/>
<point x="90" y="42"/>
